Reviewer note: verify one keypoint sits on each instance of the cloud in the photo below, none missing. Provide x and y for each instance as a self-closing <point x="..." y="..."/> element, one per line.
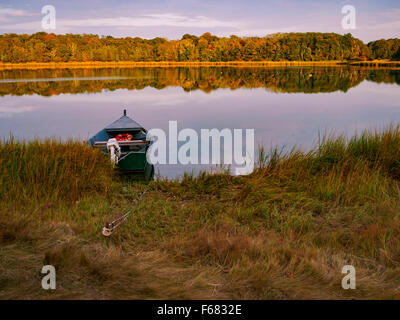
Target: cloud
<point x="8" y="111"/>
<point x="148" y="20"/>
<point x="13" y="12"/>
<point x="393" y="26"/>
<point x="390" y="14"/>
<point x="388" y="19"/>
<point x="6" y="13"/>
<point x="257" y="32"/>
<point x="383" y="24"/>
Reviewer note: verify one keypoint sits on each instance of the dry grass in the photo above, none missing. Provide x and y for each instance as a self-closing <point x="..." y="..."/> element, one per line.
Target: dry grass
<point x="167" y="64"/>
<point x="283" y="232"/>
<point x="51" y="170"/>
<point x="91" y="269"/>
<point x="377" y="63"/>
<point x="133" y="64"/>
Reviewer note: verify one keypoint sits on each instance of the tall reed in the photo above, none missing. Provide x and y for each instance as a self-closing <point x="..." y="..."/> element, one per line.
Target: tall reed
<point x="51" y="170"/>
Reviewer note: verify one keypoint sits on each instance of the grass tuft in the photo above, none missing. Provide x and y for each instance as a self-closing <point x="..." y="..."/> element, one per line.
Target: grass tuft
<point x="51" y="170"/>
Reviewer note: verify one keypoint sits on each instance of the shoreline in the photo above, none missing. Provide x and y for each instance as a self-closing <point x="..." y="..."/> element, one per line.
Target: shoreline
<point x="167" y="64"/>
<point x="164" y="64"/>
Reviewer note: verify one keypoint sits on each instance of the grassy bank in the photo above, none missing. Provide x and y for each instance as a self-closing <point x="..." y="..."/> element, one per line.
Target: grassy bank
<point x="283" y="232"/>
<point x="377" y="63"/>
<point x="169" y="64"/>
<point x="133" y="64"/>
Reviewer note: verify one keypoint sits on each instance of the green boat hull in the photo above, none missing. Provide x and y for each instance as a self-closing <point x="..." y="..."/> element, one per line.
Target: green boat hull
<point x="133" y="162"/>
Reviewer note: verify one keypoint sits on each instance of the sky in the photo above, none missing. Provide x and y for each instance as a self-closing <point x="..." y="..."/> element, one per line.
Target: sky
<point x="171" y="19"/>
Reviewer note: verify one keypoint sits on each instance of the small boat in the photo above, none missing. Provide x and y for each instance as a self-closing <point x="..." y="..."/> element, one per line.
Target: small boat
<point x="125" y="142"/>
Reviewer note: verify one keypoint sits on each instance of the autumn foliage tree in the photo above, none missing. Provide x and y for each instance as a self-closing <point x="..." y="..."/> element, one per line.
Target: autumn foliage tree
<point x="385" y="49"/>
<point x="44" y="47"/>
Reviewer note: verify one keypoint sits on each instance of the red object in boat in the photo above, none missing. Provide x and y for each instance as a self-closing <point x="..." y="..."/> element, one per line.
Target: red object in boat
<point x="124" y="137"/>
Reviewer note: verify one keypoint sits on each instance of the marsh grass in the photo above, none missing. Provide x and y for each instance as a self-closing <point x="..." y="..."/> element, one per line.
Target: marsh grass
<point x="51" y="170"/>
<point x="283" y="232"/>
<point x="158" y="64"/>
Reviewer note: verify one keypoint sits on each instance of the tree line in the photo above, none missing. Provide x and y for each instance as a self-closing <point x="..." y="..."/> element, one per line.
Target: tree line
<point x="49" y="47"/>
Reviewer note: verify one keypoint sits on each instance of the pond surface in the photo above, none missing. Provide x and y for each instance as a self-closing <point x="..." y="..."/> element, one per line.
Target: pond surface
<point x="285" y="106"/>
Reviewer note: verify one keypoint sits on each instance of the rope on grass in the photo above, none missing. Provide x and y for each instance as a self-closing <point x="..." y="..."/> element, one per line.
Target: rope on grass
<point x="109" y="227"/>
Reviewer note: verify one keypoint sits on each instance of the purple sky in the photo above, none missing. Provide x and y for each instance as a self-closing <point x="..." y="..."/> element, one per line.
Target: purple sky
<point x="173" y="18"/>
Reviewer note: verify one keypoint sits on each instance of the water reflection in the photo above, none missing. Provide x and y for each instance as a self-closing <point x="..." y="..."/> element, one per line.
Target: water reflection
<point x="287" y="80"/>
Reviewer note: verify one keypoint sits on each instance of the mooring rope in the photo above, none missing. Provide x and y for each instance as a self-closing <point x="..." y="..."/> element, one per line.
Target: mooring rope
<point x="109" y="228"/>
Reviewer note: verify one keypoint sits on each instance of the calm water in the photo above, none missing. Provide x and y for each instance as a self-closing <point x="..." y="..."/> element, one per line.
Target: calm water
<point x="285" y="106"/>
